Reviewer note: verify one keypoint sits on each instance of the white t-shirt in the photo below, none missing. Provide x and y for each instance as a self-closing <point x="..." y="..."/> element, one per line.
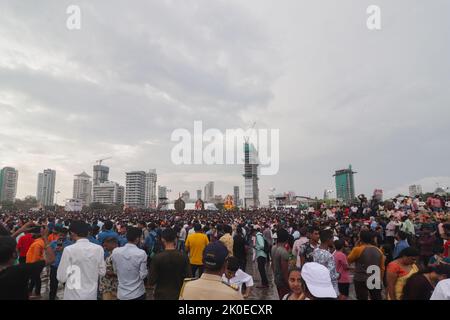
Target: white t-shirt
<point x="239" y="279"/>
<point x="442" y="290"/>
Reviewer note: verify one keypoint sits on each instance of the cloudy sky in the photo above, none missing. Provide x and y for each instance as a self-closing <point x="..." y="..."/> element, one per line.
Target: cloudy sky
<point x="339" y="93"/>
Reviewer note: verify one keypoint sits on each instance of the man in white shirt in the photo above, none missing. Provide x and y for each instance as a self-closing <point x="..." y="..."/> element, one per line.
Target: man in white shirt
<point x="442" y="290"/>
<point x="234" y="276"/>
<point x="82" y="263"/>
<point x="130" y="265"/>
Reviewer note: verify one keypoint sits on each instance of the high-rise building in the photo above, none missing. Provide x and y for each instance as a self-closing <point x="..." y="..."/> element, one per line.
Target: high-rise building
<point x="82" y="188"/>
<point x="46" y="187"/>
<point x="110" y="193"/>
<point x="251" y="196"/>
<point x="162" y="196"/>
<point x="185" y="196"/>
<point x="415" y="190"/>
<point x="135" y="189"/>
<point x="345" y="186"/>
<point x="150" y="189"/>
<point x="236" y="196"/>
<point x="199" y="194"/>
<point x="101" y="174"/>
<point x="8" y="184"/>
<point x="209" y="191"/>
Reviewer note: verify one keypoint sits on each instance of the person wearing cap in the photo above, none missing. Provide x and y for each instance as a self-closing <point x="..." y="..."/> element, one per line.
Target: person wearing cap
<point x="210" y="285"/>
<point x="316" y="282"/>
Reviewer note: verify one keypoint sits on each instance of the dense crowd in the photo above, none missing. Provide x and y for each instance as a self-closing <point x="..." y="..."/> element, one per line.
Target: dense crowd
<point x="396" y="250"/>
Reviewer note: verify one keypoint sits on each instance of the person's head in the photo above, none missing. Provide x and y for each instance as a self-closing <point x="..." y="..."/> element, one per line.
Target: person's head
<point x="197" y="227"/>
<point x="227" y="229"/>
<point x="401" y="235"/>
<point x="142" y="225"/>
<point x="168" y="236"/>
<point x="110" y="244"/>
<point x="316" y="282"/>
<point x="303" y="231"/>
<point x="214" y="257"/>
<point x="79" y="229"/>
<point x="8" y="253"/>
<point x="282" y="236"/>
<point x="134" y="235"/>
<point x="439" y="272"/>
<point x="108" y="225"/>
<point x="232" y="267"/>
<point x="365" y="236"/>
<point x="339" y="244"/>
<point x="314" y="234"/>
<point x="326" y="237"/>
<point x="409" y="256"/>
<point x="295" y="281"/>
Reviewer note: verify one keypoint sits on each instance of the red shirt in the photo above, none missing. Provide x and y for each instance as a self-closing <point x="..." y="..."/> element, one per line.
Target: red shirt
<point x="446" y="246"/>
<point x="24" y="244"/>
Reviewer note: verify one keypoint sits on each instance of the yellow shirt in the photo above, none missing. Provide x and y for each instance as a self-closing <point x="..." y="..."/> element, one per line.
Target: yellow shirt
<point x="196" y="243"/>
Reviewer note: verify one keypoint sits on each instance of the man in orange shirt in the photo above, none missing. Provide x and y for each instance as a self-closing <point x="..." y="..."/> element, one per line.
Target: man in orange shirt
<point x="55" y="234"/>
<point x="195" y="244"/>
<point x="36" y="253"/>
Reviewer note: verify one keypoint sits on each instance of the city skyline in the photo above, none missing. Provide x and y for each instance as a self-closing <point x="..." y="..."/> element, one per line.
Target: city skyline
<point x="338" y="92"/>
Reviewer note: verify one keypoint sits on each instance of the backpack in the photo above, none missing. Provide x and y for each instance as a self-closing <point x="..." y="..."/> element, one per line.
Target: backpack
<point x="266" y="245"/>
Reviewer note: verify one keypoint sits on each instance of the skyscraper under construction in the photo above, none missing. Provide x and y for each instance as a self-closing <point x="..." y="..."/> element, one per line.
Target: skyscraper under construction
<point x="251" y="197"/>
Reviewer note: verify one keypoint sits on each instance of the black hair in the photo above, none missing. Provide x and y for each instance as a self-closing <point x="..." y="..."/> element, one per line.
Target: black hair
<point x="7" y="248"/>
<point x="197" y="227"/>
<point x="111" y="240"/>
<point x="168" y="235"/>
<point x="326" y="235"/>
<point x="294" y="269"/>
<point x="232" y="263"/>
<point x="80" y="228"/>
<point x="108" y="225"/>
<point x="409" y="252"/>
<point x="133" y="234"/>
<point x="339" y="244"/>
<point x="282" y="235"/>
<point x="366" y="236"/>
<point x="402" y="235"/>
<point x="227" y="229"/>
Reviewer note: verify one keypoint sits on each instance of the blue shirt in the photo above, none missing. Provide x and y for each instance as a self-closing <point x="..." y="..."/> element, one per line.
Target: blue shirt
<point x="122" y="240"/>
<point x="58" y="254"/>
<point x="93" y="240"/>
<point x="402" y="244"/>
<point x="107" y="234"/>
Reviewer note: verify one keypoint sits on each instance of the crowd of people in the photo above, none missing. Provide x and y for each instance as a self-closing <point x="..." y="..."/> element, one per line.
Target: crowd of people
<point x="398" y="250"/>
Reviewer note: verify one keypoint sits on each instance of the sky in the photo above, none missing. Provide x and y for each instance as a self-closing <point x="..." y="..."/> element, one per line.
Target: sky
<point x="338" y="92"/>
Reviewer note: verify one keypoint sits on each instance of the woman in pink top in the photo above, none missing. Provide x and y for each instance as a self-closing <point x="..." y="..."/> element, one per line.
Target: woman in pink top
<point x="342" y="268"/>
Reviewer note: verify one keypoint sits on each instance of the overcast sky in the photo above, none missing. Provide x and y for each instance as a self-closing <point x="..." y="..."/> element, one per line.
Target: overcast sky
<point x="137" y="70"/>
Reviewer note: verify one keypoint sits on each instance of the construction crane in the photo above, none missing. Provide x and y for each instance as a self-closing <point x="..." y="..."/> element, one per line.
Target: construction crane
<point x="246" y="138"/>
<point x="99" y="162"/>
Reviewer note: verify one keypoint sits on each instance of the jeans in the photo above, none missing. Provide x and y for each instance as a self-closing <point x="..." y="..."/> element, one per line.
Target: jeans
<point x="362" y="292"/>
<point x="53" y="283"/>
<point x="194" y="269"/>
<point x="35" y="283"/>
<point x="262" y="270"/>
<point x="180" y="245"/>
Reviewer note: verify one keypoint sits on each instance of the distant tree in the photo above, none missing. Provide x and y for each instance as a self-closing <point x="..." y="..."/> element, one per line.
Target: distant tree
<point x="26" y="204"/>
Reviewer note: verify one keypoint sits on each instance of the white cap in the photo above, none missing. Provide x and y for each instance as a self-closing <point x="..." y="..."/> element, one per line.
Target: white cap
<point x="318" y="280"/>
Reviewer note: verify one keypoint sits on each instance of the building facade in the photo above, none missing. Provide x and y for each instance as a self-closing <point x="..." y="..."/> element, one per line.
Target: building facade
<point x="150" y="189"/>
<point x="251" y="192"/>
<point x="101" y="174"/>
<point x="236" y="196"/>
<point x="199" y="194"/>
<point x="46" y="187"/>
<point x="345" y="186"/>
<point x="209" y="191"/>
<point x="8" y="184"/>
<point x="82" y="188"/>
<point x="135" y="189"/>
<point x="415" y="190"/>
<point x="110" y="193"/>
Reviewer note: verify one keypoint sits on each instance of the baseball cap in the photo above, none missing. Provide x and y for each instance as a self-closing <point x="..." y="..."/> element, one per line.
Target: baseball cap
<point x="318" y="280"/>
<point x="214" y="255"/>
